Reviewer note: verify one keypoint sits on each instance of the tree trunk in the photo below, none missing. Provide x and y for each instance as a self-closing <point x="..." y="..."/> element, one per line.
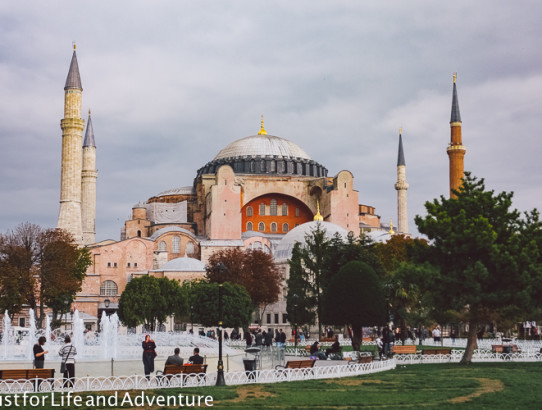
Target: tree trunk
<point x="471" y="344"/>
<point x="357" y="337"/>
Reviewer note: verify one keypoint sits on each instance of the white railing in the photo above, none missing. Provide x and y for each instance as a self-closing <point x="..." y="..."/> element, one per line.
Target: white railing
<point x="120" y="383"/>
<point x="457" y="355"/>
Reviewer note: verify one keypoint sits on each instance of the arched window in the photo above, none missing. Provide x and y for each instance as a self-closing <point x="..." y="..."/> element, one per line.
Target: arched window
<point x="297" y="212"/>
<point x="285" y="227"/>
<point x="284" y="209"/>
<point x="262" y="209"/>
<point x="162" y="246"/>
<point x="261" y="227"/>
<point x="176" y="245"/>
<point x="109" y="288"/>
<point x="139" y="234"/>
<point x="273" y="208"/>
<point x="273" y="227"/>
<point x="249" y="226"/>
<point x="190" y="248"/>
<point x="249" y="211"/>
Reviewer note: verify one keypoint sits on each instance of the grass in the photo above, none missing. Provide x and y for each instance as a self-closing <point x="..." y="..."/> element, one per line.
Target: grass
<point x="442" y="386"/>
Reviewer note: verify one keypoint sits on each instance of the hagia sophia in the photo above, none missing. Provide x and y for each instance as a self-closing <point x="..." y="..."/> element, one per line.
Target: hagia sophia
<point x="258" y="192"/>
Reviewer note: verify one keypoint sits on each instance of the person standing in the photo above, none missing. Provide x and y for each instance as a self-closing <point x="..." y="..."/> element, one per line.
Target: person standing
<point x="149" y="353"/>
<point x="39" y="353"/>
<point x="68" y="352"/>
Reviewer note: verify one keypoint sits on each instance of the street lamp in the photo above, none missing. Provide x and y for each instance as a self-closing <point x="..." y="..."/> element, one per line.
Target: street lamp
<point x="66" y="310"/>
<point x="220" y="368"/>
<point x="191" y="318"/>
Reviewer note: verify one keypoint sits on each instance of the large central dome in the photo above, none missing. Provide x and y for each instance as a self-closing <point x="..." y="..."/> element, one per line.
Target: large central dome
<point x="262" y="145"/>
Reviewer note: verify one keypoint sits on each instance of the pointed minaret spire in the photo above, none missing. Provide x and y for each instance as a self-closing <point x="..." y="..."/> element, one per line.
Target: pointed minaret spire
<point x="262" y="130"/>
<point x="456" y="150"/>
<point x="89" y="134"/>
<point x="400" y="155"/>
<point x="74" y="79"/>
<point x="456" y="116"/>
<point x="318" y="216"/>
<point x="401" y="186"/>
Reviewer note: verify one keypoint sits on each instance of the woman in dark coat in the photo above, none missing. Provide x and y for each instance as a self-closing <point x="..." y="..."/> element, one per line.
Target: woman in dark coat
<point x="149" y="353"/>
<point x="39" y="353"/>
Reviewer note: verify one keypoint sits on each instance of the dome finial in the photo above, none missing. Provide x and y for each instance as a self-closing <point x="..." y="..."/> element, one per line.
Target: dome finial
<point x="318" y="217"/>
<point x="262" y="130"/>
<point x="74" y="45"/>
<point x="455" y="77"/>
<point x="391" y="231"/>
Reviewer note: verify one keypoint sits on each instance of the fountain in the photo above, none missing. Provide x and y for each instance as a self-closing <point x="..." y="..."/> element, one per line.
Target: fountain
<point x="6" y="334"/>
<point x="98" y="350"/>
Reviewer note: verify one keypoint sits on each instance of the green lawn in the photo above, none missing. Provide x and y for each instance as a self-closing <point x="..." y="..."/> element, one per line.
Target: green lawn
<point x="442" y="386"/>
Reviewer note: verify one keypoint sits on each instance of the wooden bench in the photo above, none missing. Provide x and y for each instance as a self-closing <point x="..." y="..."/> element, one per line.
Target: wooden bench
<point x="35" y="375"/>
<point x="359" y="357"/>
<point x="500" y="348"/>
<point x="437" y="351"/>
<point x="297" y="364"/>
<point x="172" y="369"/>
<point x="409" y="349"/>
<point x="27" y="374"/>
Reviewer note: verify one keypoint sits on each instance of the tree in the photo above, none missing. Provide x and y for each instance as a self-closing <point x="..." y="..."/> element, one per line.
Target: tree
<point x="488" y="257"/>
<point x="40" y="267"/>
<point x="149" y="300"/>
<point x="255" y="270"/>
<point x="307" y="276"/>
<point x="355" y="296"/>
<point x="236" y="304"/>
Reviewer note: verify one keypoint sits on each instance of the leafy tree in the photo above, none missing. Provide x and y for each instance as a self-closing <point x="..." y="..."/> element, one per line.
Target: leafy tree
<point x="488" y="257"/>
<point x="355" y="296"/>
<point x="255" y="270"/>
<point x="149" y="300"/>
<point x="236" y="304"/>
<point x="40" y="267"/>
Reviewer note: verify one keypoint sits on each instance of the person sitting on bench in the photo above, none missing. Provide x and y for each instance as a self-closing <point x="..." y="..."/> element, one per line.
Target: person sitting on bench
<point x="336" y="348"/>
<point x="174" y="359"/>
<point x="196" y="358"/>
<point x="316" y="353"/>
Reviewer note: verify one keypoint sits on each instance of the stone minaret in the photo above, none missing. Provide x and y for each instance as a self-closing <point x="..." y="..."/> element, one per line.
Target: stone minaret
<point x="88" y="186"/>
<point x="72" y="125"/>
<point x="456" y="150"/>
<point x="401" y="186"/>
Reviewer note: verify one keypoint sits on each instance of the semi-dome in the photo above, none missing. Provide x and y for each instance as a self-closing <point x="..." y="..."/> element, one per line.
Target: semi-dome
<point x="262" y="145"/>
<point x="286" y="245"/>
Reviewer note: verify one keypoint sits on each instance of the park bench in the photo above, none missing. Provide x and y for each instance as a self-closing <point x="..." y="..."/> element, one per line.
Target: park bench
<point x="442" y="350"/>
<point x="409" y="349"/>
<point x="185" y="370"/>
<point x="360" y="357"/>
<point x="501" y="348"/>
<point x="35" y="375"/>
<point x="297" y="364"/>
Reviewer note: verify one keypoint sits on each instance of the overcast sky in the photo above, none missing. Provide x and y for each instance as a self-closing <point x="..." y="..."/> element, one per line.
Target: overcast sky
<point x="170" y="83"/>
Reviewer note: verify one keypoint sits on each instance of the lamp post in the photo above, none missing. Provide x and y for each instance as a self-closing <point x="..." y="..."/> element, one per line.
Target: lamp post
<point x="107" y="302"/>
<point x="191" y="318"/>
<point x="220" y="368"/>
<point x="66" y="310"/>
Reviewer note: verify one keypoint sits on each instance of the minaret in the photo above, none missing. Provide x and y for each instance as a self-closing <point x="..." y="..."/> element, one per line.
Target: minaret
<point x="88" y="186"/>
<point x="401" y="186"/>
<point x="72" y="125"/>
<point x="456" y="150"/>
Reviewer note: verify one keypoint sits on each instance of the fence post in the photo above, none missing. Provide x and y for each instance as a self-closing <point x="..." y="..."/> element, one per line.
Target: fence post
<point x="112" y="373"/>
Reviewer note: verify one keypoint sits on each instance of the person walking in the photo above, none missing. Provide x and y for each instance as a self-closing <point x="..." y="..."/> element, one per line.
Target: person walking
<point x="68" y="352"/>
<point x="149" y="353"/>
<point x="39" y="353"/>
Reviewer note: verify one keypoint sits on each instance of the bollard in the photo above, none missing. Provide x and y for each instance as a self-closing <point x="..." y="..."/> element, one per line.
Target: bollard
<point x="112" y="367"/>
<point x="227" y="362"/>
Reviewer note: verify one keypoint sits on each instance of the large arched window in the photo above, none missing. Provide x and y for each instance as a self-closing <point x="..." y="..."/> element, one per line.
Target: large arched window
<point x="285" y="227"/>
<point x="190" y="248"/>
<point x="273" y="208"/>
<point x="162" y="246"/>
<point x="249" y="211"/>
<point x="262" y="209"/>
<point x="176" y="245"/>
<point x="284" y="209"/>
<point x="261" y="227"/>
<point x="249" y="226"/>
<point x="273" y="227"/>
<point x="109" y="288"/>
